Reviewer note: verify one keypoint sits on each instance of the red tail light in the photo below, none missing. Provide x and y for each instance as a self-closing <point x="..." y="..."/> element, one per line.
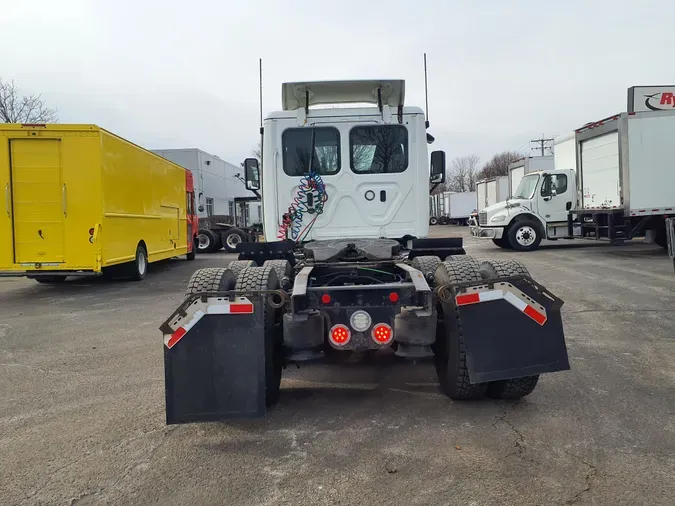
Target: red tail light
<point x="393" y="297"/>
<point x="339" y="335"/>
<point x="325" y="299"/>
<point x="382" y="333"/>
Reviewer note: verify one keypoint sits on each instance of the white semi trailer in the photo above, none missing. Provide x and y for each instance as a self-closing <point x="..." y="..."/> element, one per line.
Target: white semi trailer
<point x="619" y="185"/>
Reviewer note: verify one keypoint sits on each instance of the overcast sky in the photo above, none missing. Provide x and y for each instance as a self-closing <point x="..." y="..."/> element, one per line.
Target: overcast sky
<point x="174" y="74"/>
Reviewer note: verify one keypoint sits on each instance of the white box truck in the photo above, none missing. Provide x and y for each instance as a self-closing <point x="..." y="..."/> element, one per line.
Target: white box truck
<point x="524" y="166"/>
<point x="623" y="187"/>
<point x="565" y="151"/>
<point x="493" y="190"/>
<point x="460" y="206"/>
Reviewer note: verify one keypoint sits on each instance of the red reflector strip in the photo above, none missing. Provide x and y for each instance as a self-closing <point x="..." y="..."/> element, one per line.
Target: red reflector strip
<point x="535" y="315"/>
<point x="241" y="308"/>
<point x="471" y="298"/>
<point x="175" y="337"/>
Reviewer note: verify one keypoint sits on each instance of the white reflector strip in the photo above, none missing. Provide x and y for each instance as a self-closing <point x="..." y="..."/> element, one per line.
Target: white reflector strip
<point x="520" y="304"/>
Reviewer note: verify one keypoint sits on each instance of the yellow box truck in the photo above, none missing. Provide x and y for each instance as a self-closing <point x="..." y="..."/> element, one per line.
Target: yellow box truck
<point x="79" y="200"/>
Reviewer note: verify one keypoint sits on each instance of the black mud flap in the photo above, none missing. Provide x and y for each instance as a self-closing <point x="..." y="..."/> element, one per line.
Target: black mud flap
<point x="214" y="360"/>
<point x="512" y="328"/>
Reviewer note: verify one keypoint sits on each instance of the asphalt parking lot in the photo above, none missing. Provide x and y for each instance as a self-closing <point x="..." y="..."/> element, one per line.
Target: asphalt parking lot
<point x="82" y="406"/>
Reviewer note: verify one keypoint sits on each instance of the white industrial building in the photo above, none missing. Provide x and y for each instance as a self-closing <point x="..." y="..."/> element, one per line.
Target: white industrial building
<point x="216" y="183"/>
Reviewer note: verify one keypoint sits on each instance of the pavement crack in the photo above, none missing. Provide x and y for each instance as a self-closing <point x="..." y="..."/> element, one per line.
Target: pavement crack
<point x="591" y="473"/>
<point x="519" y="444"/>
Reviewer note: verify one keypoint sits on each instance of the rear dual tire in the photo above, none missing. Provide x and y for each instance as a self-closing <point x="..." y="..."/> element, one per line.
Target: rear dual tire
<point x="450" y="352"/>
<point x="265" y="278"/>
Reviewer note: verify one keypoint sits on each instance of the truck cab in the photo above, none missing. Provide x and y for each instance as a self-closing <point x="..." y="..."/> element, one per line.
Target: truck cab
<point x="368" y="175"/>
<point x="537" y="210"/>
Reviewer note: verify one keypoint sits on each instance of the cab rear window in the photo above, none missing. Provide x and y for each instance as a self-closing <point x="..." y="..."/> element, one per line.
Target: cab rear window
<point x="297" y="144"/>
<point x="377" y="149"/>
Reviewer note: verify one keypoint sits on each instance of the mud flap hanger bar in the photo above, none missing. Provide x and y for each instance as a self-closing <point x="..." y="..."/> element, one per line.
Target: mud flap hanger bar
<point x="278" y="299"/>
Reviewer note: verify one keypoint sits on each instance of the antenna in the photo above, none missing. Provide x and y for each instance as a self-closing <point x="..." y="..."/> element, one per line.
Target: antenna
<point x="261" y="98"/>
<point x="426" y="91"/>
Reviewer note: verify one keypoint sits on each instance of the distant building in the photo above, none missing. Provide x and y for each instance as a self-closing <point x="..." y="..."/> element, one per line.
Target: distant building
<point x="216" y="184"/>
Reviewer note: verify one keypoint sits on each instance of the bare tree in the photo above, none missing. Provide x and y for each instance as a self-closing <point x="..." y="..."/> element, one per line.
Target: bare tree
<point x="499" y="164"/>
<point x="17" y="108"/>
<point x="462" y="174"/>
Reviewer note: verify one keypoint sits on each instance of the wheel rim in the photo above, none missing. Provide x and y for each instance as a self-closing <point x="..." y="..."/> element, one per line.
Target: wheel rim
<point x="142" y="263"/>
<point x="233" y="240"/>
<point x="525" y="236"/>
<point x="204" y="241"/>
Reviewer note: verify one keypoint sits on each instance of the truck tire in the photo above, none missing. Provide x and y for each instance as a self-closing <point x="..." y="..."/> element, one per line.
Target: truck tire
<point x="190" y="255"/>
<point x="265" y="278"/>
<point x="427" y="265"/>
<point x="524" y="235"/>
<point x="139" y="267"/>
<point x="450" y="354"/>
<point x="206" y="241"/>
<point x="211" y="279"/>
<point x="433" y="221"/>
<point x="502" y="243"/>
<point x="236" y="266"/>
<point x="444" y="220"/>
<point x="501" y="269"/>
<point x="463" y="258"/>
<point x="517" y="387"/>
<point x="281" y="267"/>
<point x="231" y="238"/>
<point x="512" y="389"/>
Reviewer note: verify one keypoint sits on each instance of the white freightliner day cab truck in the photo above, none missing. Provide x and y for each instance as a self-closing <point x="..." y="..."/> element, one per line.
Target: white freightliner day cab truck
<point x="346" y="268"/>
<point x="616" y="184"/>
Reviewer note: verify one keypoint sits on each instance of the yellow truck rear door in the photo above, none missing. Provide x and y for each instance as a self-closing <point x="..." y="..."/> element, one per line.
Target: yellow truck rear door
<point x="39" y="200"/>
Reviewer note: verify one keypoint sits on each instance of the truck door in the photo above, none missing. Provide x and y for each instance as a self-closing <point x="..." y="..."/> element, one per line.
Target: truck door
<point x="555" y="192"/>
<point x="39" y="200"/>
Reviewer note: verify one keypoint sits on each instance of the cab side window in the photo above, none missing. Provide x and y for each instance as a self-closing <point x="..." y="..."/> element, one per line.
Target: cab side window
<point x="557" y="182"/>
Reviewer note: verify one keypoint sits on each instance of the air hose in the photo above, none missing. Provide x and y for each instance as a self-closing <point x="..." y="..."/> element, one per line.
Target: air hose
<point x="309" y="199"/>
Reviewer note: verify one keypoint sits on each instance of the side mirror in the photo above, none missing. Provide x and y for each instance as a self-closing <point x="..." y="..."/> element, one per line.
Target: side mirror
<point x="252" y="173"/>
<point x="437" y="167"/>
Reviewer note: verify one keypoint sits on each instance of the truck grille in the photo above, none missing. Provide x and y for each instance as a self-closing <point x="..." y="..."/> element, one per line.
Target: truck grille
<point x="482" y="218"/>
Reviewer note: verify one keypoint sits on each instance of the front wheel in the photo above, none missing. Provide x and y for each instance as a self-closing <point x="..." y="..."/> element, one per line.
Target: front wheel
<point x="524" y="235"/>
<point x="502" y="243"/>
<point x="433" y="221"/>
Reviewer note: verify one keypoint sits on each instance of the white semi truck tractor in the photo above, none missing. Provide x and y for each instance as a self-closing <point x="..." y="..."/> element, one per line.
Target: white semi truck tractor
<point x="347" y="267"/>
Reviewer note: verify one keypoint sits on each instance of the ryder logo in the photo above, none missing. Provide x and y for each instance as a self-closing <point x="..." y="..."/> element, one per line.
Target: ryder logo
<point x="660" y="101"/>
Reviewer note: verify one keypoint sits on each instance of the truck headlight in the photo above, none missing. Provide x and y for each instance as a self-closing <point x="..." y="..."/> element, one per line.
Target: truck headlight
<point x="498" y="218"/>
